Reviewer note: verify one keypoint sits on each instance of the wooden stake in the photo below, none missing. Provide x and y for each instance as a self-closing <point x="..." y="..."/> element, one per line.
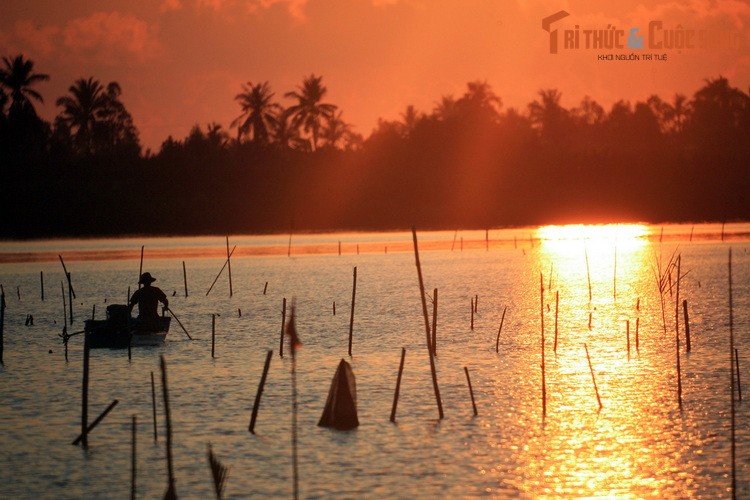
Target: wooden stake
<point x="153" y="405"/>
<point x="733" y="423"/>
<point x="472" y="313"/>
<point x="471" y="391"/>
<point x="41" y="282"/>
<point x="83" y="437"/>
<point x="265" y="287"/>
<point x="71" y="296"/>
<point x="132" y="457"/>
<point x="221" y="270"/>
<point x="262" y="383"/>
<point x="588" y="271"/>
<point x="398" y="386"/>
<point x="213" y="333"/>
<point x="433" y="345"/>
<point x="66" y="273"/>
<point x="351" y="317"/>
<point x="593" y="379"/>
<point x="541" y="317"/>
<point x="687" y="325"/>
<point x="283" y="322"/>
<point x="677" y="335"/>
<point x="499" y="330"/>
<point x="184" y="277"/>
<point x="427" y="324"/>
<point x="334" y="308"/>
<point x="140" y="269"/>
<point x="85" y="392"/>
<point x="557" y="310"/>
<point x="171" y="493"/>
<point x="229" y="268"/>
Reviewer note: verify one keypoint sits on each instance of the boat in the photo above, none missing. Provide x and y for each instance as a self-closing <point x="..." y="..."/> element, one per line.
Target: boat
<point x="119" y="330"/>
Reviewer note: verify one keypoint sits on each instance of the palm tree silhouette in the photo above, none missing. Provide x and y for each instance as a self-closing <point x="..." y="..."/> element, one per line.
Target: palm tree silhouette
<point x="18" y="77"/>
<point x="258" y="112"/>
<point x="309" y="112"/>
<point x="285" y="135"/>
<point x="82" y="111"/>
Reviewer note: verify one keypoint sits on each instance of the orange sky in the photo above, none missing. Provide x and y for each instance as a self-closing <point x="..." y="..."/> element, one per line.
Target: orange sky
<point x="181" y="62"/>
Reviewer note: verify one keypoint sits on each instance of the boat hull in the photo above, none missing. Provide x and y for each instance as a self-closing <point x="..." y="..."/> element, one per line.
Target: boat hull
<point x="118" y="335"/>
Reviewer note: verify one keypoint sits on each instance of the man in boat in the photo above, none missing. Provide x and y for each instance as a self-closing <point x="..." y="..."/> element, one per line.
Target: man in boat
<point x="148" y="298"/>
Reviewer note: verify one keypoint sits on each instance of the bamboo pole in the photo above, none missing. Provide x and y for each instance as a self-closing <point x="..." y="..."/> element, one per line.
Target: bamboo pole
<point x="140" y="268"/>
<point x="593" y="378"/>
<point x="184" y="277"/>
<point x="557" y="310"/>
<point x="541" y="318"/>
<point x="229" y="268"/>
<point x="133" y="462"/>
<point x="637" y="340"/>
<point x="733" y="423"/>
<point x="471" y="391"/>
<point x="427" y="324"/>
<point x="65" y="319"/>
<point x="85" y="392"/>
<point x="65" y="270"/>
<point x="262" y="383"/>
<point x="499" y="330"/>
<point x="221" y="270"/>
<point x="153" y="405"/>
<point x="83" y="437"/>
<point x="41" y="282"/>
<point x="351" y="317"/>
<point x="687" y="325"/>
<point x="213" y="333"/>
<point x="71" y="296"/>
<point x="677" y="335"/>
<point x="472" y="313"/>
<point x="433" y="345"/>
<point x="171" y="493"/>
<point x="398" y="385"/>
<point x="588" y="271"/>
<point x="283" y="323"/>
<point x="265" y="287"/>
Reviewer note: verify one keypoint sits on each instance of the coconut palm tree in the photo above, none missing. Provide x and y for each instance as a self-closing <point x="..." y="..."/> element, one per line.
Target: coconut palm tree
<point x="258" y="112"/>
<point x="286" y="136"/>
<point x="339" y="134"/>
<point x="96" y="117"/>
<point x="17" y="77"/>
<point x="82" y="110"/>
<point x="309" y="112"/>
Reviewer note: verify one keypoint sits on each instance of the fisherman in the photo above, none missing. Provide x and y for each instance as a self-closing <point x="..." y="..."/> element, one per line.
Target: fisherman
<point x="148" y="299"/>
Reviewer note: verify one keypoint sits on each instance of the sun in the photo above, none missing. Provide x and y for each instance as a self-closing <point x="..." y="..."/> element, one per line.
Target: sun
<point x="607" y="233"/>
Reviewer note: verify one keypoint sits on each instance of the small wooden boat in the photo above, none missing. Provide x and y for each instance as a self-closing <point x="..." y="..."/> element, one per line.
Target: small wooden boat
<point x="119" y="330"/>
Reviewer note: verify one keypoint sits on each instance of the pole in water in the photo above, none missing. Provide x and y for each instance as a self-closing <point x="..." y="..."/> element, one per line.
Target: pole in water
<point x="229" y="268"/>
<point x="557" y="310"/>
<point x="283" y="323"/>
<point x="544" y="380"/>
<point x="41" y="282"/>
<point x="171" y="493"/>
<point x="398" y="385"/>
<point x="427" y="324"/>
<point x="471" y="391"/>
<point x="733" y="423"/>
<point x="70" y="298"/>
<point x="351" y="317"/>
<point x="627" y="334"/>
<point x="132" y="456"/>
<point x="153" y="405"/>
<point x="677" y="334"/>
<point x="687" y="325"/>
<point x="2" y="326"/>
<point x="140" y="268"/>
<point x="85" y="392"/>
<point x="588" y="271"/>
<point x="637" y="340"/>
<point x="265" y="287"/>
<point x="262" y="383"/>
<point x="499" y="330"/>
<point x="213" y="333"/>
<point x="472" y="313"/>
<point x="737" y="366"/>
<point x="96" y="421"/>
<point x="433" y="345"/>
<point x="593" y="379"/>
<point x="184" y="277"/>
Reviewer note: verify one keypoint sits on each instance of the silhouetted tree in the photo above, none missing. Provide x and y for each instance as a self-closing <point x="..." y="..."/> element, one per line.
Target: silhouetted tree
<point x="258" y="112"/>
<point x="18" y="77"/>
<point x="310" y="113"/>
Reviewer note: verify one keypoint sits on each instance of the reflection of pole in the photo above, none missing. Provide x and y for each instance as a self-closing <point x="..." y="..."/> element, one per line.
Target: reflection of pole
<point x="85" y="392"/>
<point x="593" y="379"/>
<point x="351" y="318"/>
<point x="427" y="325"/>
<point x="541" y="317"/>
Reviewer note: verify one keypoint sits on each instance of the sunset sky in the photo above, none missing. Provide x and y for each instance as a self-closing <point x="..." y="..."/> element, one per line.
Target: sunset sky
<point x="181" y="62"/>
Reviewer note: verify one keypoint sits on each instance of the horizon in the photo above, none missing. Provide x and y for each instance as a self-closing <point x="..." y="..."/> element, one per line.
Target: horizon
<point x="432" y="50"/>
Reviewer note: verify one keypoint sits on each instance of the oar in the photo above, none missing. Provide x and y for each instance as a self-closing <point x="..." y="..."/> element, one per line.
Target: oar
<point x="179" y="322"/>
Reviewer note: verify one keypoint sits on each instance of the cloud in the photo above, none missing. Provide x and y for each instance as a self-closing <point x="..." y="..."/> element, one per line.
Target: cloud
<point x="111" y="35"/>
<point x="170" y="5"/>
<point x="38" y="39"/>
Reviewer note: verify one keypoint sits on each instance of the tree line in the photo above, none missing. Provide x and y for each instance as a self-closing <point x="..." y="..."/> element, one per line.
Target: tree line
<point x="467" y="163"/>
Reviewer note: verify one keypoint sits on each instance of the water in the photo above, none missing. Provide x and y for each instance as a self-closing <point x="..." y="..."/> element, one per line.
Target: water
<point x="640" y="444"/>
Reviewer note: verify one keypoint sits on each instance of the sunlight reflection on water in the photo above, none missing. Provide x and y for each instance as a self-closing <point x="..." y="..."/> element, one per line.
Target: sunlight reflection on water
<point x="638" y="445"/>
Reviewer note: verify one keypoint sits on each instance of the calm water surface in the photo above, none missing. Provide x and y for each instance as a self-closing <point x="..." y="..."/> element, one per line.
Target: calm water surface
<point x="640" y="444"/>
